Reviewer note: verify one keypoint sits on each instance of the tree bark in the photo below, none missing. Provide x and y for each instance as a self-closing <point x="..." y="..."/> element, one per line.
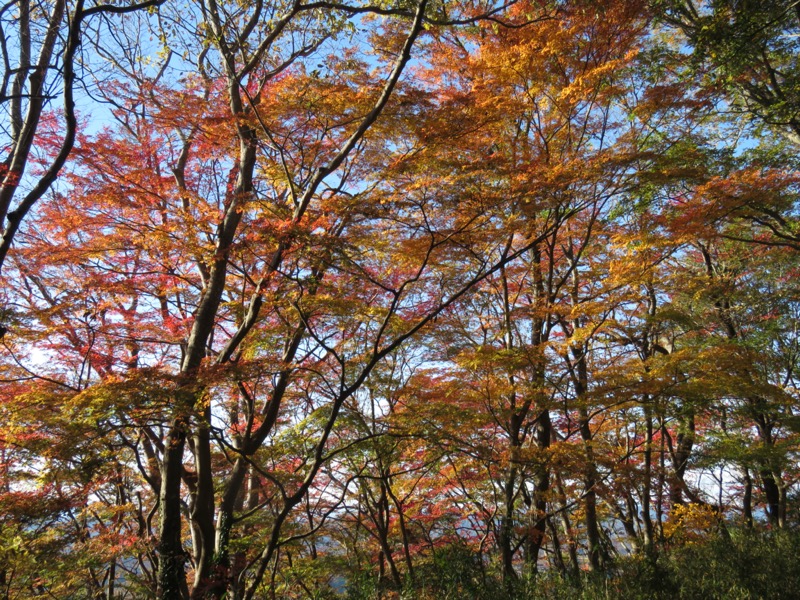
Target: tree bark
<point x="171" y="576"/>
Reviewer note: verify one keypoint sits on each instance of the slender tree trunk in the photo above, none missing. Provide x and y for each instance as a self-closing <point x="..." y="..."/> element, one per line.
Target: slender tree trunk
<point x="517" y="413"/>
<point x="231" y="500"/>
<point x="772" y="495"/>
<point x="171" y="576"/>
<point x="771" y="479"/>
<point x="628" y="520"/>
<point x="382" y="523"/>
<point x="747" y="499"/>
<point x="541" y="480"/>
<point x="661" y="482"/>
<point x="647" y="519"/>
<point x="403" y="528"/>
<point x="202" y="516"/>
<point x="112" y="576"/>
<point x="572" y="545"/>
<point x="681" y="451"/>
<point x="595" y="550"/>
<point x="590" y="478"/>
<point x="505" y="540"/>
<point x="557" y="552"/>
<point x="543" y="430"/>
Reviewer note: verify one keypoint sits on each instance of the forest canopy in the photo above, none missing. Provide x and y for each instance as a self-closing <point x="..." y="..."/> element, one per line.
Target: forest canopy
<point x="398" y="298"/>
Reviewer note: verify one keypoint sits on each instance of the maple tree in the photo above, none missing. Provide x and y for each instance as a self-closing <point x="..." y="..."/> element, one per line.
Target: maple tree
<point x="37" y="42"/>
<point x="347" y="293"/>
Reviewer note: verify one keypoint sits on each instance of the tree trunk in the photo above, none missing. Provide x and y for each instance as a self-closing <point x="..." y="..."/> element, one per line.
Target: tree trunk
<point x="541" y="482"/>
<point x="171" y="576"/>
<point x="681" y="451"/>
<point x="505" y="540"/>
<point x="202" y="514"/>
<point x="590" y="478"/>
<point x="647" y="520"/>
<point x="572" y="546"/>
<point x="747" y="499"/>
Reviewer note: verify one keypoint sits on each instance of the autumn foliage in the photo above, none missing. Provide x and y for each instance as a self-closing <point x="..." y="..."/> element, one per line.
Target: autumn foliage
<point x="362" y="299"/>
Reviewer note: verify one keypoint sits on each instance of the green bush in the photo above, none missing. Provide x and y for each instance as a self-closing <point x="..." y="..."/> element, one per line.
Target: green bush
<point x="744" y="565"/>
<point x="735" y="565"/>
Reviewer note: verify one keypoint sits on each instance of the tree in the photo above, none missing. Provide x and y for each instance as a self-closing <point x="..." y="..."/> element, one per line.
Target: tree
<point x="37" y="42"/>
<point x="474" y="288"/>
<point x="744" y="57"/>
